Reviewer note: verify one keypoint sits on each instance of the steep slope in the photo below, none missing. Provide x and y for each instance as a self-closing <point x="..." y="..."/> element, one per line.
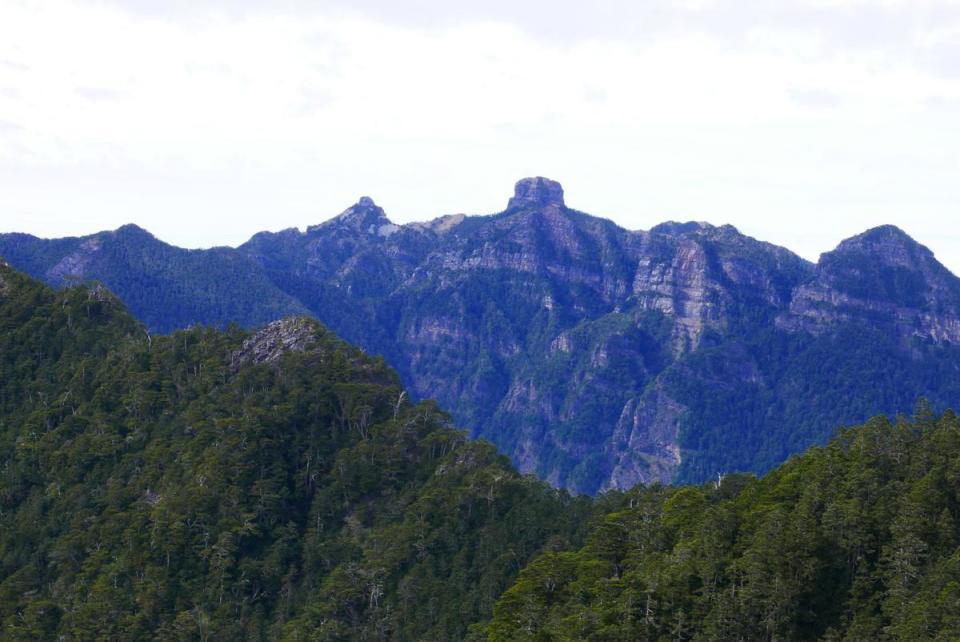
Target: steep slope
<point x="857" y="540"/>
<point x="236" y="486"/>
<point x="594" y="356"/>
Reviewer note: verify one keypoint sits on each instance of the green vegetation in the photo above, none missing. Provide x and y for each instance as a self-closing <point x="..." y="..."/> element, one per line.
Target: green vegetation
<point x="173" y="488"/>
<point x="858" y="540"/>
<point x="800" y="388"/>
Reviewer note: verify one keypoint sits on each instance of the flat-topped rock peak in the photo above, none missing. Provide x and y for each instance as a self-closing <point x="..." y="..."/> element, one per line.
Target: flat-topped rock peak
<point x="536" y="192"/>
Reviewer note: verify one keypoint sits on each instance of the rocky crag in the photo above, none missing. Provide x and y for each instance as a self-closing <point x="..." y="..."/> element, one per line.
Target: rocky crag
<point x="596" y="357"/>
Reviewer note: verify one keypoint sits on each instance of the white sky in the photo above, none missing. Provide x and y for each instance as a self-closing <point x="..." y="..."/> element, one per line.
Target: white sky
<point x="801" y="122"/>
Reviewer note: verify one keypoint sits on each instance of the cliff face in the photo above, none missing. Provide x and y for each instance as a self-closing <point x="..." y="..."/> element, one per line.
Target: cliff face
<point x="711" y="279"/>
<point x="595" y="356"/>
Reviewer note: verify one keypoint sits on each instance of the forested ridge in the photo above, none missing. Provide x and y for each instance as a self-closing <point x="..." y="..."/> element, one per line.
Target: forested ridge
<point x="175" y="488"/>
<point x="279" y="485"/>
<point x="858" y="540"/>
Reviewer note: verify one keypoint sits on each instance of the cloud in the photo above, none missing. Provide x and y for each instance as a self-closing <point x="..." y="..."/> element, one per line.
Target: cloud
<point x="944" y="58"/>
<point x="888" y="32"/>
<point x="97" y="94"/>
<point x="13" y="65"/>
<point x="313" y="100"/>
<point x="816" y="98"/>
<point x="846" y="23"/>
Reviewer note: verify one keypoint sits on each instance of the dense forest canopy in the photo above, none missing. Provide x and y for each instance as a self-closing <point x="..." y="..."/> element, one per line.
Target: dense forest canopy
<point x="211" y="485"/>
<point x="858" y="540"/>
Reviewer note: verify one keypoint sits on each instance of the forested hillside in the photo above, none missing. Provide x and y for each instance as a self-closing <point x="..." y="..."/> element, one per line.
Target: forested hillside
<point x="226" y="486"/>
<point x="857" y="540"/>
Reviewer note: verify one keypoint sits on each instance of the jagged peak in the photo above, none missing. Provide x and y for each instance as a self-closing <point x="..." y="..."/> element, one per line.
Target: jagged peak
<point x="364" y="207"/>
<point x="882" y="271"/>
<point x="536" y="192"/>
<point x="363" y="216"/>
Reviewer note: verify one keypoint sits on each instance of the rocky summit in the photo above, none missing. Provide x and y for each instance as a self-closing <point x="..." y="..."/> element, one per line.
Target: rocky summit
<point x="536" y="192"/>
<point x="596" y="357"/>
<point x="270" y="343"/>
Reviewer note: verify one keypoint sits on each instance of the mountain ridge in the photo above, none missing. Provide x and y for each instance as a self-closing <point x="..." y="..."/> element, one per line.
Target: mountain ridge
<point x="595" y="356"/>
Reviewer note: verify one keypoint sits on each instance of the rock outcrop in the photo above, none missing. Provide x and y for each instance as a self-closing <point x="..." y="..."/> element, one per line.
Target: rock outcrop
<point x="536" y="192"/>
<point x="645" y="446"/>
<point x="267" y="345"/>
<point x="365" y="217"/>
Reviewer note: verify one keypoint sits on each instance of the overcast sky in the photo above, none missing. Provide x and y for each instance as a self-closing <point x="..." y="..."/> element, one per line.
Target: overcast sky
<point x="801" y="122"/>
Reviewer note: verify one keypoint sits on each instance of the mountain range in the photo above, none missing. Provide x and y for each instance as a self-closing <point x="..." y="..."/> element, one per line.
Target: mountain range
<point x="594" y="356"/>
